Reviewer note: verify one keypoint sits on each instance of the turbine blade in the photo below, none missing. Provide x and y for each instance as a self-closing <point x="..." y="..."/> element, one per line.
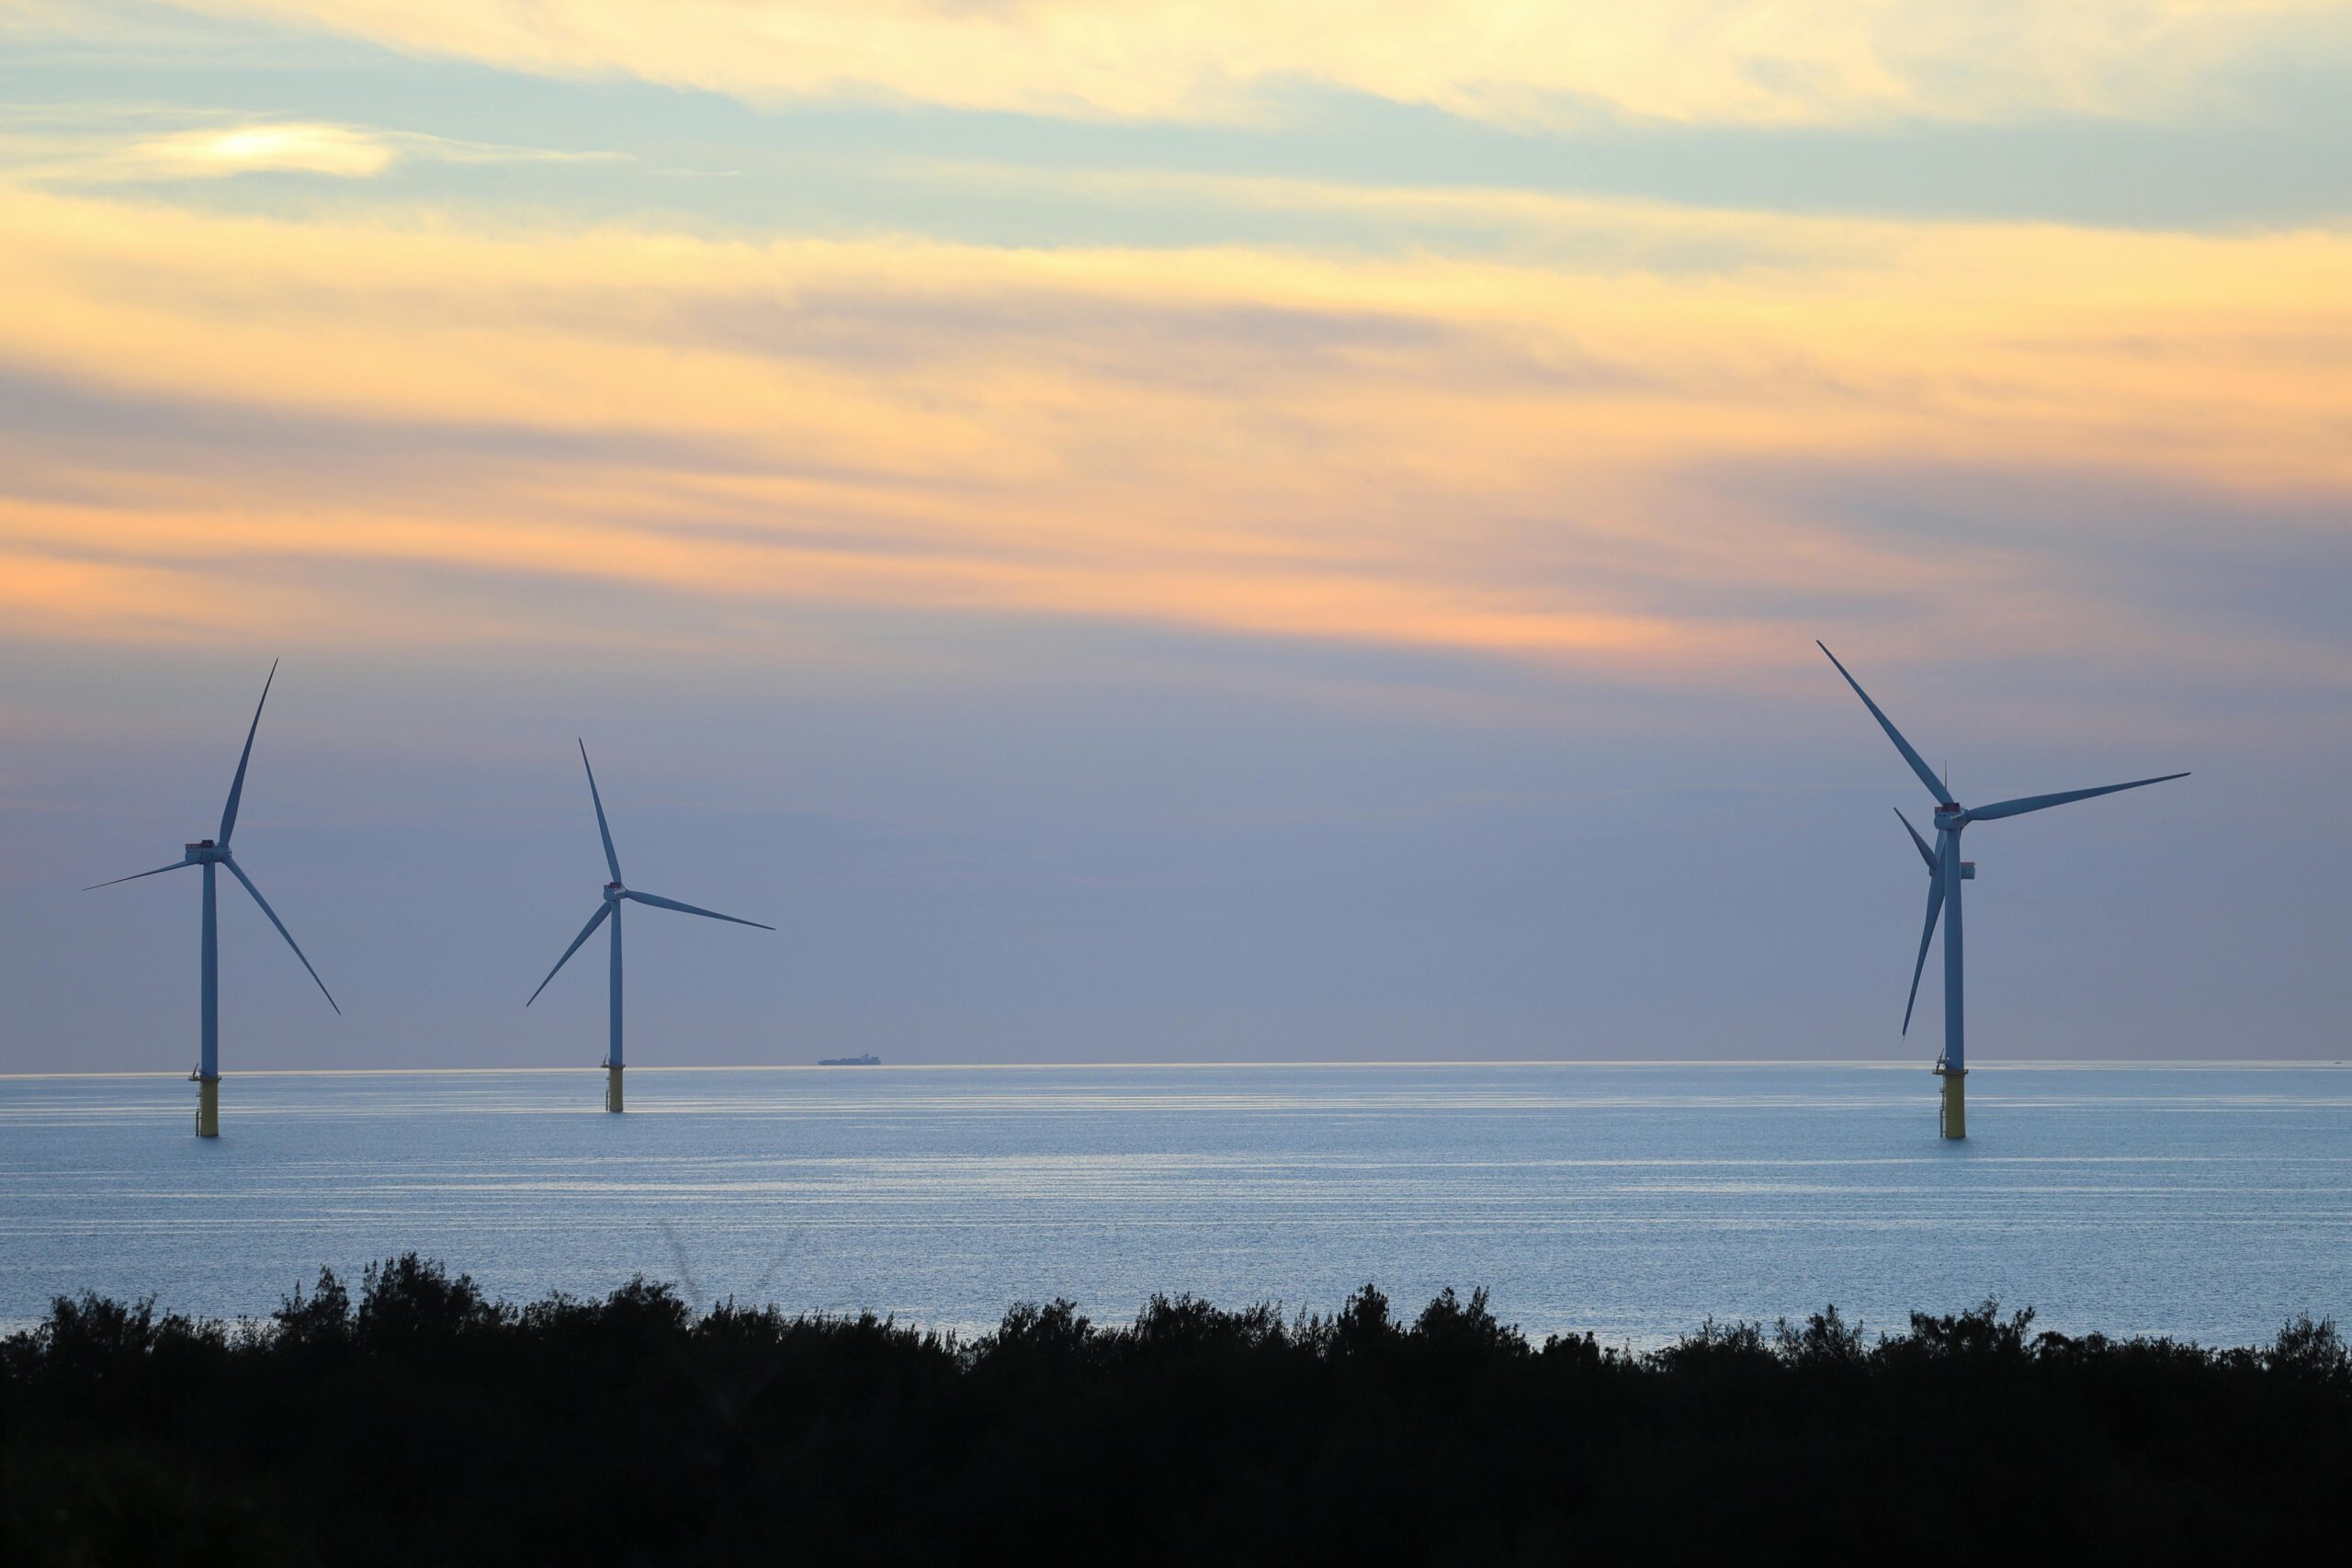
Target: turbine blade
<point x="2024" y="804"/>
<point x="237" y="785"/>
<point x="689" y="909"/>
<point x="1925" y="853"/>
<point x="586" y="931"/>
<point x="239" y="873"/>
<point x="1934" y="907"/>
<point x="612" y="861"/>
<point x="137" y="874"/>
<point x="1918" y="764"/>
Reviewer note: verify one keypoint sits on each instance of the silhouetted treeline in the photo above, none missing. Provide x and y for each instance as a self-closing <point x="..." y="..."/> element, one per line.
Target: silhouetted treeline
<point x="422" y="1422"/>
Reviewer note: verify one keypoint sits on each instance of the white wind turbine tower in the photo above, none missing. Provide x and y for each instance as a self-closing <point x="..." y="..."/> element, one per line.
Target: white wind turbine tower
<point x="1946" y="871"/>
<point x="615" y="893"/>
<point x="212" y="853"/>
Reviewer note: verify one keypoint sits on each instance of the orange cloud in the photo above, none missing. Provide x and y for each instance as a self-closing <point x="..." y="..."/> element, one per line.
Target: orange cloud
<point x="1429" y="452"/>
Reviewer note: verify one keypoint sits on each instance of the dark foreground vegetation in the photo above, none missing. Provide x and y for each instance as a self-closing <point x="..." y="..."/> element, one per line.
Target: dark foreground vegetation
<point x="421" y="1422"/>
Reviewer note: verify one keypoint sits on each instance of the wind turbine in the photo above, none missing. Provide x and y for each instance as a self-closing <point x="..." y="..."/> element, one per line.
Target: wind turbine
<point x="210" y="853"/>
<point x="611" y="909"/>
<point x="1946" y="871"/>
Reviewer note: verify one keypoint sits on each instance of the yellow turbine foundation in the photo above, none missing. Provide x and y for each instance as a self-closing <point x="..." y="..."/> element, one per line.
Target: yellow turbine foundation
<point x="613" y="1088"/>
<point x="1955" y="1118"/>
<point x="208" y="1108"/>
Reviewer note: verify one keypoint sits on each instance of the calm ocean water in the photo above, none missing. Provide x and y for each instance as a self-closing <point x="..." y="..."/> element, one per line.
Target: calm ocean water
<point x="1632" y="1201"/>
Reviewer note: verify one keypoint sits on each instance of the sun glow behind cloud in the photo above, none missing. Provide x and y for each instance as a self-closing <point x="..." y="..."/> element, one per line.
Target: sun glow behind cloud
<point x="307" y="149"/>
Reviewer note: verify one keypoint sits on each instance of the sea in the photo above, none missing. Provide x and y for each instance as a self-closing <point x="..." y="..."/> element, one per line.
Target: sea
<point x="1630" y="1201"/>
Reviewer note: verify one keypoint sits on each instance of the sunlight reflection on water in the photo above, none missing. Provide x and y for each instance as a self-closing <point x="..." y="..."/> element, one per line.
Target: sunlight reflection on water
<point x="1633" y="1201"/>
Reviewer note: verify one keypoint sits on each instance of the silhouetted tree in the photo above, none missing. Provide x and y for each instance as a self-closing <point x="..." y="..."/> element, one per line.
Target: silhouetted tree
<point x="424" y="1422"/>
<point x="1826" y="1342"/>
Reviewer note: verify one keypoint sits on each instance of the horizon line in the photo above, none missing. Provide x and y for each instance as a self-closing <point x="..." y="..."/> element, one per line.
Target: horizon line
<point x="2013" y="1064"/>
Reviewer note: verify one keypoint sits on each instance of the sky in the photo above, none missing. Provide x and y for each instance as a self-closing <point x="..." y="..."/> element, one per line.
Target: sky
<point x="1159" y="531"/>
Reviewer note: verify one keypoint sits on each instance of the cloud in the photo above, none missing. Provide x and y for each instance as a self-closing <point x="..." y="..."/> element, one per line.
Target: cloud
<point x="1507" y="461"/>
<point x="2250" y="135"/>
<point x="1752" y="62"/>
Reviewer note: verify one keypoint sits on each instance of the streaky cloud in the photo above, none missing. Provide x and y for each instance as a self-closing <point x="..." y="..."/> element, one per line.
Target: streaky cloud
<point x="1692" y="60"/>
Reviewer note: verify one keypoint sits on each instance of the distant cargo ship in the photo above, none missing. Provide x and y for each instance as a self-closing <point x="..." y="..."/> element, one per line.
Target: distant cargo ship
<point x="866" y="1060"/>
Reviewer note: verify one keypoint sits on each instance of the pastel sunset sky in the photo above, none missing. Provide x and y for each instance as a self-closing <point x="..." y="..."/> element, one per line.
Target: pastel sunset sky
<point x="1139" y="530"/>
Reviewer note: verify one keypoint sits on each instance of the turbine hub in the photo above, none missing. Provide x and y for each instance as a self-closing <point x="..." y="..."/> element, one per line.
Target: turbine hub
<point x="612" y="891"/>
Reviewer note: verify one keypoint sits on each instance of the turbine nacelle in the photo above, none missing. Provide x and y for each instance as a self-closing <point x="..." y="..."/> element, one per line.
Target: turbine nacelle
<point x="201" y="851"/>
<point x="614" y="892"/>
